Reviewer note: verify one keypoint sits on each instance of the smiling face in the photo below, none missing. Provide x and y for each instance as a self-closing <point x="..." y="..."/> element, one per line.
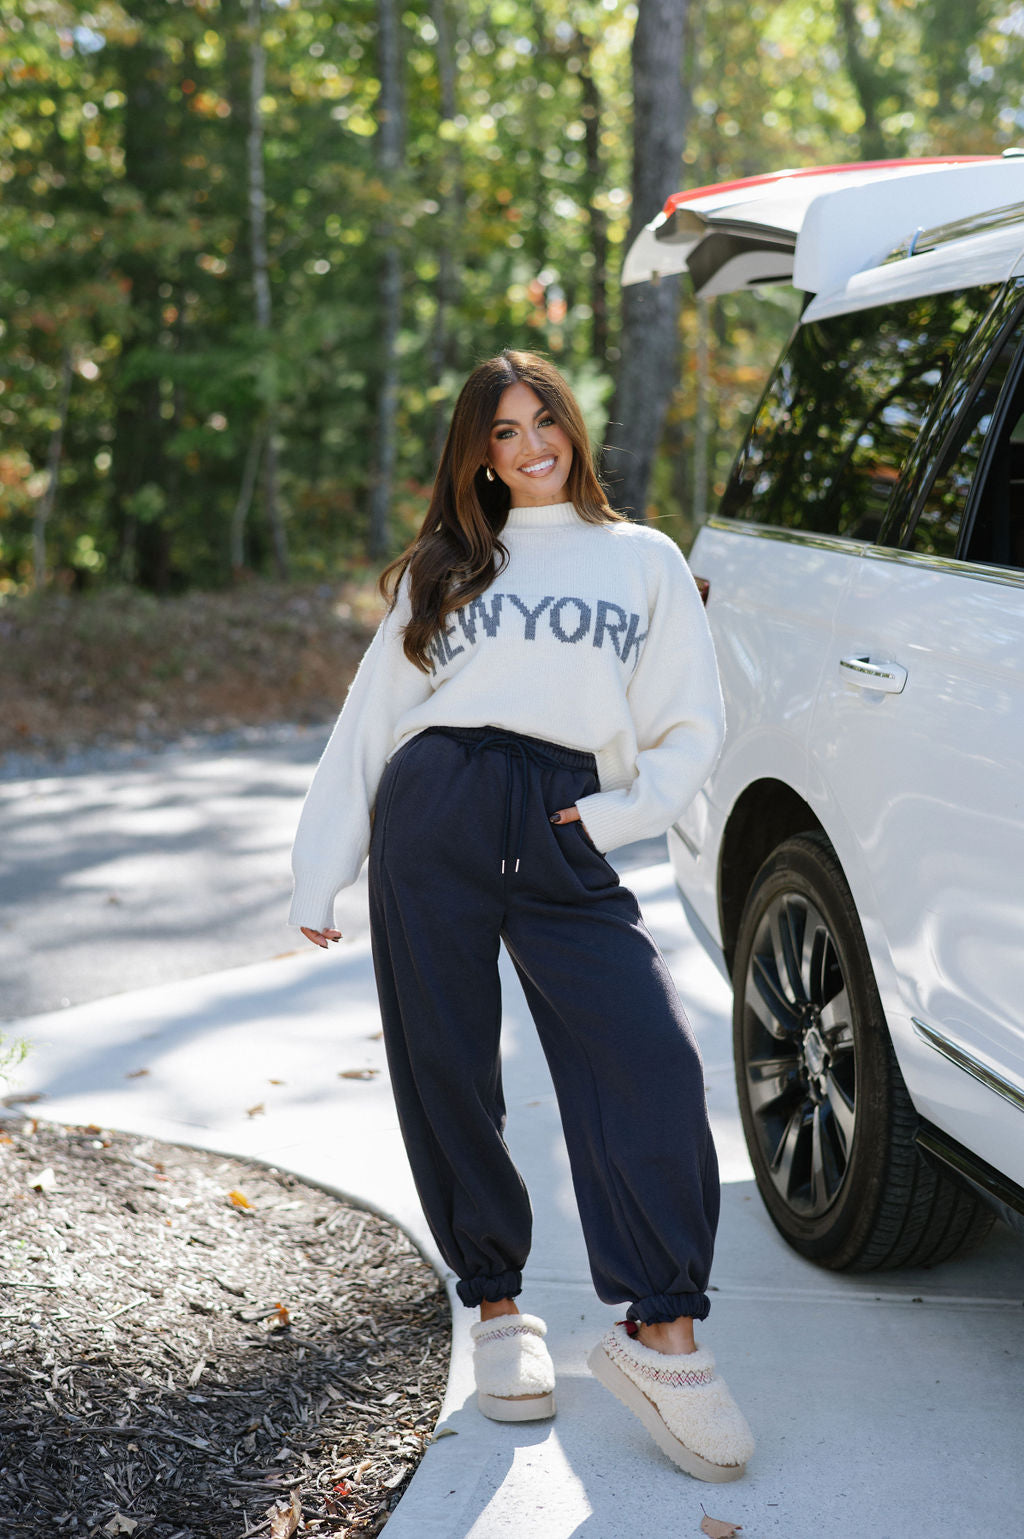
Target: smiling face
<point x="528" y="450"/>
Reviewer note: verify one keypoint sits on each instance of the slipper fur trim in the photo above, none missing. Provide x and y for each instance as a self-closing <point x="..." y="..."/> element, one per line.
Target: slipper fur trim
<point x="515" y="1377"/>
<point x="682" y="1402"/>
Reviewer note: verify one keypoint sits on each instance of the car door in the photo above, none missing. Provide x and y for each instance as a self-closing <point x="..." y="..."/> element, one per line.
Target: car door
<point x="919" y="734"/>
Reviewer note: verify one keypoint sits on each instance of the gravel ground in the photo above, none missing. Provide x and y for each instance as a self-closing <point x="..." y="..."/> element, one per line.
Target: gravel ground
<point x="194" y="1347"/>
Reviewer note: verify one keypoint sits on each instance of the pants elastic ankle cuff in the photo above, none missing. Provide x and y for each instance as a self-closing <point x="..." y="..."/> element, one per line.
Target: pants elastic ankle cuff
<point x="659" y="1308"/>
<point x="476" y="1290"/>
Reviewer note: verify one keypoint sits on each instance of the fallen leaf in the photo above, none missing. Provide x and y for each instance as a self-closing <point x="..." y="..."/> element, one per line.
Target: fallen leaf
<point x="718" y="1528"/>
<point x="285" y="1520"/>
<point x="255" y="1111"/>
<point x="443" y="1432"/>
<point x="120" y="1524"/>
<point x="281" y="1315"/>
<point x="375" y="1036"/>
<point x="262" y="1312"/>
<point x="5" y="1138"/>
<point x="358" y="1073"/>
<point x="342" y="1488"/>
<point x="45" y="1181"/>
<point x="136" y="1073"/>
<point x="113" y="898"/>
<point x="277" y="1082"/>
<point x="239" y="1200"/>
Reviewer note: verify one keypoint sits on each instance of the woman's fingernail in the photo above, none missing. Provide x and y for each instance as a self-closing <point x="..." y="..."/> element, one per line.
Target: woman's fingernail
<point x="556" y="817"/>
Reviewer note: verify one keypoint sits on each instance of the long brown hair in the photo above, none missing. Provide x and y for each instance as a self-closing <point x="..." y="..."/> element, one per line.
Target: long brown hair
<point x="452" y="560"/>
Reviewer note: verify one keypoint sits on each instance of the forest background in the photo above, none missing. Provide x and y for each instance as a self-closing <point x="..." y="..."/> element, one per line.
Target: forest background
<point x="250" y="248"/>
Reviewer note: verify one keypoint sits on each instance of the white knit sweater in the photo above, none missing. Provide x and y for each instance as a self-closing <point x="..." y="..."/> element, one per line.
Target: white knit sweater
<point x="593" y="636"/>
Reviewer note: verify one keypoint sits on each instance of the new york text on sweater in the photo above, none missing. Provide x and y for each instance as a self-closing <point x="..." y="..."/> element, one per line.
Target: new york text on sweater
<point x="570" y="620"/>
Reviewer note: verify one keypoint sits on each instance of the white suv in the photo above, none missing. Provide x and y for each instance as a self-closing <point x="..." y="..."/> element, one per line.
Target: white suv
<point x="856" y="862"/>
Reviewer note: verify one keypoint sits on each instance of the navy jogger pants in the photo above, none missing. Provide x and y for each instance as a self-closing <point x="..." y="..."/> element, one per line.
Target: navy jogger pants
<point x="463" y="856"/>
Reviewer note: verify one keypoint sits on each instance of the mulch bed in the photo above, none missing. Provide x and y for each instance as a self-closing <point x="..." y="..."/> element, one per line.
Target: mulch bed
<point x="195" y="1347"/>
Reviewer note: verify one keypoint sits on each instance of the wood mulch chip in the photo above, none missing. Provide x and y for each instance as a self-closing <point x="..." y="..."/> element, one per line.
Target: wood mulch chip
<point x="194" y="1347"/>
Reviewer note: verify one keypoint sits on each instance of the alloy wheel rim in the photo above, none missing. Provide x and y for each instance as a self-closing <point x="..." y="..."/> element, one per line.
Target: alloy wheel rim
<point x="799" y="1056"/>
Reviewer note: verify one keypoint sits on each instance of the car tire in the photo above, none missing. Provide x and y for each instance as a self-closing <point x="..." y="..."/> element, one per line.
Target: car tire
<point x="828" y="1120"/>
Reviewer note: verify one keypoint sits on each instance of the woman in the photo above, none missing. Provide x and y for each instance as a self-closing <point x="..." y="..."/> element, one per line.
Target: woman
<point x="542" y="689"/>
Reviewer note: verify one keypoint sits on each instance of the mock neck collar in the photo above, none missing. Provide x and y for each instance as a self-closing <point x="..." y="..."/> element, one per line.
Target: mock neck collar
<point x="548" y="517"/>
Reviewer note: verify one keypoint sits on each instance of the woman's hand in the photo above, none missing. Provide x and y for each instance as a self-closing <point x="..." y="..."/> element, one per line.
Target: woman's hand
<point x="321" y="937"/>
<point x="570" y="815"/>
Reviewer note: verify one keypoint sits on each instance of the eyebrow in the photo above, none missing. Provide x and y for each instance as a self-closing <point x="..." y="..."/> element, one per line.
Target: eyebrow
<point x="542" y="411"/>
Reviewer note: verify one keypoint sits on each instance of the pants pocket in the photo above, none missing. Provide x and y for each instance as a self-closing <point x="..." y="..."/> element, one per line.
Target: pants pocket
<point x="586" y="838"/>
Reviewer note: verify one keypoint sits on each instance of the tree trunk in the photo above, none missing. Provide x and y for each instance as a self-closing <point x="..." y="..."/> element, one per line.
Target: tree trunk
<point x="866" y="81"/>
<point x="389" y="147"/>
<point x="701" y="419"/>
<point x="140" y="467"/>
<point x="451" y="200"/>
<point x="261" y="279"/>
<point x="45" y="505"/>
<point x="648" y="343"/>
<point x="243" y="503"/>
<point x="598" y="219"/>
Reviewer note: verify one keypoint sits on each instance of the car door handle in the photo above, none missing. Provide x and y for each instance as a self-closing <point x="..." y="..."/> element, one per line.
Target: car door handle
<point x="868" y="674"/>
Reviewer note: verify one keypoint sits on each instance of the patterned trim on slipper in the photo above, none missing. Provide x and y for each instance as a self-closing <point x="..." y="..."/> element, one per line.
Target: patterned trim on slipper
<point x="508" y="1330"/>
<point x="656" y="1374"/>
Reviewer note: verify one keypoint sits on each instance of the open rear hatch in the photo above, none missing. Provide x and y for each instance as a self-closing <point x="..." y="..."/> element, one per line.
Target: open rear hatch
<point x="816" y="226"/>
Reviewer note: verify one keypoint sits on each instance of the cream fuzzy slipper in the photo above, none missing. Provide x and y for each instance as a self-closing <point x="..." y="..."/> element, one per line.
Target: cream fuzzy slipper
<point x="515" y="1377"/>
<point x="682" y="1402"/>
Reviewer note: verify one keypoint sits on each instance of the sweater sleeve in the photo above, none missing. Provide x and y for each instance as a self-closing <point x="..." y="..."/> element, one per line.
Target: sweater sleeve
<point x="333" y="835"/>
<point x="676" y="704"/>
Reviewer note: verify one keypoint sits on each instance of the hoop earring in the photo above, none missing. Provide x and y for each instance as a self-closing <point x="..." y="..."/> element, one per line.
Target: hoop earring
<point x="489" y="472"/>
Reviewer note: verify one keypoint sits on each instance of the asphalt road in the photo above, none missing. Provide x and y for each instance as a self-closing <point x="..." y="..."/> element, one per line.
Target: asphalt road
<point x="162" y="867"/>
<point x="156" y="867"/>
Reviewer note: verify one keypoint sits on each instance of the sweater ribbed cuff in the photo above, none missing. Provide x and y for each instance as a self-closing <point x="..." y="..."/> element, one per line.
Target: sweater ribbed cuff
<point x="312" y="904"/>
<point x="608" y="823"/>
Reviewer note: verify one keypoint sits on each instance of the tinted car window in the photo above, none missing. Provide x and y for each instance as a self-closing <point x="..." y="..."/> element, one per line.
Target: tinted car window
<point x="997" y="535"/>
<point x="845" y="407"/>
<point x="936" y="531"/>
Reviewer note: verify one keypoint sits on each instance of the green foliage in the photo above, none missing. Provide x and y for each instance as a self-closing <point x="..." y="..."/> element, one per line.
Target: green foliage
<point x="125" y="238"/>
<point x="12" y="1052"/>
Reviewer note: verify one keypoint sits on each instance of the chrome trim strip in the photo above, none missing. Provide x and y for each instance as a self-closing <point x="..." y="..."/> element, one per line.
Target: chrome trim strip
<point x="693" y="849"/>
<point x="1009" y="577"/>
<point x="970" y="1065"/>
<point x="704" y="935"/>
<point x="792" y="536"/>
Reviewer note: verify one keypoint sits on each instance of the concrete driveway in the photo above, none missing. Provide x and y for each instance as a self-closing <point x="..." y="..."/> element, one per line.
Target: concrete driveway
<point x="886" y="1406"/>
